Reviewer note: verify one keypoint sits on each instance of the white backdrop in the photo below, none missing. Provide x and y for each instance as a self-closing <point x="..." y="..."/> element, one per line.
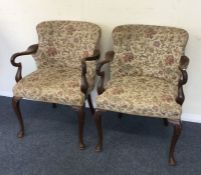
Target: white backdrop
<point x="18" y="19"/>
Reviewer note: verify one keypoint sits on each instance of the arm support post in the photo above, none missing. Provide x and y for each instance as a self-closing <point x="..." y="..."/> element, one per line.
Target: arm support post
<point x="108" y="58"/>
<point x="84" y="83"/>
<point x="184" y="61"/>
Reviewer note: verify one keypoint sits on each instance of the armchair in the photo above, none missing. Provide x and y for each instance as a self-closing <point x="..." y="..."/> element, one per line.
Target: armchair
<point x="148" y="70"/>
<point x="62" y="77"/>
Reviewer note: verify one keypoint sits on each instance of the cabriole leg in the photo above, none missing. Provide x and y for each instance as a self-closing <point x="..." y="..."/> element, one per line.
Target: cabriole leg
<point x="176" y="133"/>
<point x="16" y="107"/>
<point x="98" y="122"/>
<point x="81" y="120"/>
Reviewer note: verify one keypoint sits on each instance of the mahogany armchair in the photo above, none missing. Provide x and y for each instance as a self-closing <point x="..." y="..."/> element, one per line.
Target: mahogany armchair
<point x="65" y="74"/>
<point x="148" y="70"/>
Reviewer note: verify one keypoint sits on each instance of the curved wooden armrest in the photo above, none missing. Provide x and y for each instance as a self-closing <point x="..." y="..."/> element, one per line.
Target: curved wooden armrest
<point x="30" y="50"/>
<point x="108" y="58"/>
<point x="95" y="56"/>
<point x="84" y="83"/>
<point x="184" y="62"/>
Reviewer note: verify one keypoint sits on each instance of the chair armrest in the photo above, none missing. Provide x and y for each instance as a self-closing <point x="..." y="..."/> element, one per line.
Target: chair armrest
<point x="30" y="50"/>
<point x="108" y="58"/>
<point x="95" y="56"/>
<point x="84" y="82"/>
<point x="184" y="62"/>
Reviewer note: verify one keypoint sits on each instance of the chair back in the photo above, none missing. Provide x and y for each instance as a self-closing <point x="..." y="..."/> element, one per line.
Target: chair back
<point x="146" y="50"/>
<point x="64" y="43"/>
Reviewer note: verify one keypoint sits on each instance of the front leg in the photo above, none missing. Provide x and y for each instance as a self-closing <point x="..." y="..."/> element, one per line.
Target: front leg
<point x="98" y="122"/>
<point x="81" y="121"/>
<point x="16" y="107"/>
<point x="176" y="133"/>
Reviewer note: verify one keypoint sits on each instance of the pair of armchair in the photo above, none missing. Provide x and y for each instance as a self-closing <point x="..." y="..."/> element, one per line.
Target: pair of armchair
<point x="148" y="70"/>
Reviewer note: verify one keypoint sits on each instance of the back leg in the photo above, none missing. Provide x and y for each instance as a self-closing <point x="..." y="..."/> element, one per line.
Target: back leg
<point x="90" y="104"/>
<point x="165" y="121"/>
<point x="54" y="105"/>
<point x="120" y="115"/>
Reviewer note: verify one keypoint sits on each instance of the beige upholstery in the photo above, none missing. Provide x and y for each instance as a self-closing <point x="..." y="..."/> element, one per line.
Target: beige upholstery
<point x="144" y="71"/>
<point x="149" y="51"/>
<point x="62" y="45"/>
<point x="139" y="95"/>
<point x="53" y="85"/>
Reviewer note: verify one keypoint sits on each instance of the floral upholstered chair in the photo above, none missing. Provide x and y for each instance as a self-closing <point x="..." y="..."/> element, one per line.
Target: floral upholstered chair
<point x="148" y="69"/>
<point x="64" y="50"/>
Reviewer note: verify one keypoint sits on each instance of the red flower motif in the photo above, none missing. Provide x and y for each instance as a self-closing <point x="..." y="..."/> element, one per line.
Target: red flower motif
<point x="71" y="29"/>
<point x="128" y="57"/>
<point x="51" y="51"/>
<point x="156" y="43"/>
<point x="149" y="33"/>
<point x="169" y="60"/>
<point x="117" y="91"/>
<point x="167" y="98"/>
<point x="73" y="84"/>
<point x="85" y="54"/>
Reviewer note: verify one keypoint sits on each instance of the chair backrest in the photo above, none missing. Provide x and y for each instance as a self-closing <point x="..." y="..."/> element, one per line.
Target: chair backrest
<point x="64" y="43"/>
<point x="147" y="50"/>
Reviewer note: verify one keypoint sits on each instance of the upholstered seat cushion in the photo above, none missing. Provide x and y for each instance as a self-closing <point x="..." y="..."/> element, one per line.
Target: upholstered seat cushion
<point x="54" y="85"/>
<point x="139" y="95"/>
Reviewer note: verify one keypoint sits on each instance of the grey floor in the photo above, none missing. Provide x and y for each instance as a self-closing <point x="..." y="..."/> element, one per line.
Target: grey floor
<point x="133" y="145"/>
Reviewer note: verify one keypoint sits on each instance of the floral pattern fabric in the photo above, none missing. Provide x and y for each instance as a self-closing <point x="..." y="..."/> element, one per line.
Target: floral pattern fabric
<point x="140" y="95"/>
<point x="62" y="46"/>
<point x="60" y="86"/>
<point x="65" y="43"/>
<point x="148" y="51"/>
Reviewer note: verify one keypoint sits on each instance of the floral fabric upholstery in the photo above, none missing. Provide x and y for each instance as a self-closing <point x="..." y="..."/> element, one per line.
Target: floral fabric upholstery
<point x="62" y="46"/>
<point x="60" y="86"/>
<point x="140" y="95"/>
<point x="144" y="71"/>
<point x="65" y="43"/>
<point x="148" y="51"/>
